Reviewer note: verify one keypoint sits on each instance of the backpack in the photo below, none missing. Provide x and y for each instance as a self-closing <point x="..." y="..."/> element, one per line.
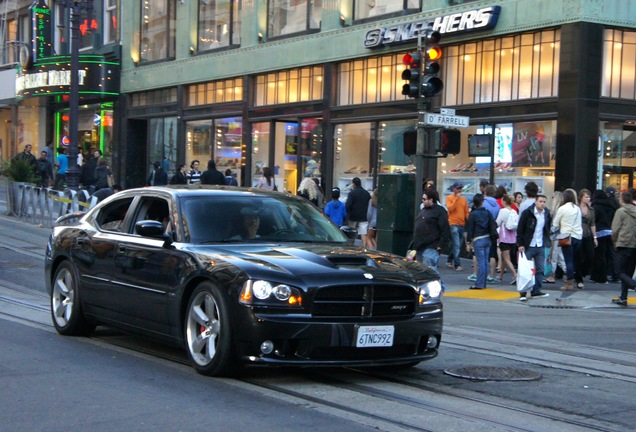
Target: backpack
<point x="512" y="220"/>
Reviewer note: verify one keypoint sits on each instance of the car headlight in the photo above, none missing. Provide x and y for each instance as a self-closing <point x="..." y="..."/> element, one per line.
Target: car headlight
<point x="265" y="293"/>
<point x="430" y="290"/>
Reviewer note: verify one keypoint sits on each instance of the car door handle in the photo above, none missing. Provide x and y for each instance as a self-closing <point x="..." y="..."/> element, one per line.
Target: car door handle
<point x="121" y="248"/>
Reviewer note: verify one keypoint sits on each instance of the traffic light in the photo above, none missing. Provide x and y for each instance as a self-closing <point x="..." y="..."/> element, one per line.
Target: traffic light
<point x="431" y="84"/>
<point x="409" y="145"/>
<point x="412" y="74"/>
<point x="448" y="141"/>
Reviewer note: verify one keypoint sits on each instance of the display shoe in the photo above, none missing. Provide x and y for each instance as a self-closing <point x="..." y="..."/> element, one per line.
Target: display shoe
<point x="459" y="168"/>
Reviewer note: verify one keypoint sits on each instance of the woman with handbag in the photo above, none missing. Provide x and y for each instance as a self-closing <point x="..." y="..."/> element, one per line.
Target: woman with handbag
<point x="568" y="223"/>
<point x="507" y="220"/>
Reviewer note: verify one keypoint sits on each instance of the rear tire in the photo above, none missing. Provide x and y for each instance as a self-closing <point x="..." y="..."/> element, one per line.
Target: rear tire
<point x="66" y="310"/>
<point x="208" y="332"/>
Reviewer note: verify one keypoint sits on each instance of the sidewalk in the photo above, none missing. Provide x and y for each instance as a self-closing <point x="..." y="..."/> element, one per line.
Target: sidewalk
<point x="592" y="296"/>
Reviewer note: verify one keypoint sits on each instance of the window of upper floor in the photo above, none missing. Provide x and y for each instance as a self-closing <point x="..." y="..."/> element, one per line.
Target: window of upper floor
<point x="219" y="24"/>
<point x="364" y="9"/>
<point x="286" y="17"/>
<point x="619" y="64"/>
<point x="157" y="30"/>
<point x="110" y="24"/>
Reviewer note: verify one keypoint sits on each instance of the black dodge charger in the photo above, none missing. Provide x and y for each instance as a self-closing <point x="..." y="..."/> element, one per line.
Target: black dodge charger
<point x="239" y="276"/>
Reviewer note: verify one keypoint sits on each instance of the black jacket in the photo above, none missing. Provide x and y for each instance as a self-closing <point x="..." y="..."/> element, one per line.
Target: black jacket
<point x="357" y="204"/>
<point x="431" y="228"/>
<point x="528" y="223"/>
<point x="604" y="211"/>
<point x="179" y="178"/>
<point x="213" y="177"/>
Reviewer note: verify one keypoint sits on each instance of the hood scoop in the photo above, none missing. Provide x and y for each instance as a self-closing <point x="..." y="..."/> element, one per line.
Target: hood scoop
<point x="348" y="261"/>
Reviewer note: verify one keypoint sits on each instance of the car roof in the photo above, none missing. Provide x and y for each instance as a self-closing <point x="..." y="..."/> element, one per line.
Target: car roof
<point x="198" y="190"/>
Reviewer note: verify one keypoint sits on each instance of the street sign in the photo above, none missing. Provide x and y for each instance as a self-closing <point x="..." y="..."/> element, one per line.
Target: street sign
<point x="434" y="119"/>
<point x="447" y="111"/>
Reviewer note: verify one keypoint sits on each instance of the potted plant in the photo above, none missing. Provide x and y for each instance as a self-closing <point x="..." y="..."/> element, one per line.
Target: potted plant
<point x="19" y="172"/>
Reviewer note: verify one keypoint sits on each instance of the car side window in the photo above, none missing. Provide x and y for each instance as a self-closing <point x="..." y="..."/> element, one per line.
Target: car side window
<point x="111" y="217"/>
<point x="156" y="209"/>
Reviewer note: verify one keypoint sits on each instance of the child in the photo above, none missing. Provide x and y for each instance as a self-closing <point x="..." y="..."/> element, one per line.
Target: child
<point x="336" y="210"/>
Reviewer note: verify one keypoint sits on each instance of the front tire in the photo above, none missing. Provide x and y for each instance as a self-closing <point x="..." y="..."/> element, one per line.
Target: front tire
<point x="66" y="310"/>
<point x="208" y="333"/>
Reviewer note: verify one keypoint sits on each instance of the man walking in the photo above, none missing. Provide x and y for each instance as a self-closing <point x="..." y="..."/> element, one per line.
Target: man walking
<point x="457" y="206"/>
<point x="431" y="231"/>
<point x="624" y="239"/>
<point x="357" y="205"/>
<point x="533" y="235"/>
<point x="44" y="170"/>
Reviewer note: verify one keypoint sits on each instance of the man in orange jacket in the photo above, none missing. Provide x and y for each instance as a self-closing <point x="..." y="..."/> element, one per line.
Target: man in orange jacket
<point x="457" y="207"/>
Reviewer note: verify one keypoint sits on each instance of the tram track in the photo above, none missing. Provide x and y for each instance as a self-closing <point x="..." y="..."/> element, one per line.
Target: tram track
<point x="387" y="401"/>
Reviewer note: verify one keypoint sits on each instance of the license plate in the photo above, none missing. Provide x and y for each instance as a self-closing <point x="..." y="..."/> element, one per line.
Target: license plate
<point x="374" y="336"/>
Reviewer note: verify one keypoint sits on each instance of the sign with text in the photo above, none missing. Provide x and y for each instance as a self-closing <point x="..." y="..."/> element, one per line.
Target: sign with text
<point x="41" y="18"/>
<point x="97" y="78"/>
<point x="434" y="119"/>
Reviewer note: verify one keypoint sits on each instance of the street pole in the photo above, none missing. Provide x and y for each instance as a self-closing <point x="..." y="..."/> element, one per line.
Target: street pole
<point x="76" y="8"/>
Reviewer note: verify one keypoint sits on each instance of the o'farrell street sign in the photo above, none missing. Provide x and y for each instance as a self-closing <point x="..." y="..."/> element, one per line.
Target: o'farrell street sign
<point x="434" y="119"/>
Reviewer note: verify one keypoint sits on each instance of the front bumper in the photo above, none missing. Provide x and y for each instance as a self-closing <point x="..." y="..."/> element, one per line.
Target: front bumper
<point x="309" y="343"/>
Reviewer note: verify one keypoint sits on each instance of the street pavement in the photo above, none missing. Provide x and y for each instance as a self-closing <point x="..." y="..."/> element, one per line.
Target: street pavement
<point x="457" y="285"/>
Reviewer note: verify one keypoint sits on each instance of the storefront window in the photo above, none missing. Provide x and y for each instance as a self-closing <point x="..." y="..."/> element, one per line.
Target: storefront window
<point x="370" y="80"/>
<point x="95" y="131"/>
<point x="162" y="144"/>
<point x="296" y="85"/>
<point x="353" y="156"/>
<point x="373" y="8"/>
<point x="157" y="30"/>
<point x="510" y="68"/>
<point x="293" y="16"/>
<point x="260" y="151"/>
<point x="219" y="23"/>
<point x="228" y="133"/>
<point x="619" y="60"/>
<point x="311" y="147"/>
<point x="617" y="156"/>
<point x="199" y="142"/>
<point x="520" y="153"/>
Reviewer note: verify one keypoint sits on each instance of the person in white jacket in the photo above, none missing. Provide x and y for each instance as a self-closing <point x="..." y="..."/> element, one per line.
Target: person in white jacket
<point x="568" y="223"/>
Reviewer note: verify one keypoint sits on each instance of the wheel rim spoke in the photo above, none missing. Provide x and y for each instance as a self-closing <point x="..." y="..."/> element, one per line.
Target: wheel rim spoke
<point x="203" y="328"/>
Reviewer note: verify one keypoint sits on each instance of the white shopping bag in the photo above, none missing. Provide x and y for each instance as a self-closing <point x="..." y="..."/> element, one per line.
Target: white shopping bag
<point x="525" y="273"/>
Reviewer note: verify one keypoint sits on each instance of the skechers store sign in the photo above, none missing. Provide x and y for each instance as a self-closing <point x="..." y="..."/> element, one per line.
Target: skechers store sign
<point x="460" y="23"/>
<point x="97" y="78"/>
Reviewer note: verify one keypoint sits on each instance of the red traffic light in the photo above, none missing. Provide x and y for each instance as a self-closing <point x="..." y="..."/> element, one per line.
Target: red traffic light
<point x="412" y="59"/>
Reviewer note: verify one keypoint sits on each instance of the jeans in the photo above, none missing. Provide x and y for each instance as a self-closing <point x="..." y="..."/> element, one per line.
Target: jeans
<point x="481" y="249"/>
<point x="457" y="234"/>
<point x="568" y="255"/>
<point x="430" y="257"/>
<point x="624" y="264"/>
<point x="538" y="254"/>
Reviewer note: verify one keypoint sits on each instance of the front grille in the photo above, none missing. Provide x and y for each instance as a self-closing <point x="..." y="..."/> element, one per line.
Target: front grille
<point x="371" y="301"/>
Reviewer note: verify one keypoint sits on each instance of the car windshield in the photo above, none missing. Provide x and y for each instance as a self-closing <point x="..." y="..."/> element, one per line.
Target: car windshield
<point x="226" y="219"/>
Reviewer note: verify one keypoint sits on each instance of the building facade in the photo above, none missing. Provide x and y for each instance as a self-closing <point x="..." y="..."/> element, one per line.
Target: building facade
<point x="36" y="45"/>
<point x="313" y="88"/>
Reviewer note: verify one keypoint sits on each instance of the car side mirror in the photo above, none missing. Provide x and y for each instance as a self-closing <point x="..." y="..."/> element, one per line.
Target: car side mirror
<point x="351" y="233"/>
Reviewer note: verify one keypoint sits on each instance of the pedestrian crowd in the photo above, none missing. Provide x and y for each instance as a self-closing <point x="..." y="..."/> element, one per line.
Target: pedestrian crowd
<point x="580" y="236"/>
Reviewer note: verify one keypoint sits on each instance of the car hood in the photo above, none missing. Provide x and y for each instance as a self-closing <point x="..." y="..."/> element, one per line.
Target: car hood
<point x="344" y="263"/>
